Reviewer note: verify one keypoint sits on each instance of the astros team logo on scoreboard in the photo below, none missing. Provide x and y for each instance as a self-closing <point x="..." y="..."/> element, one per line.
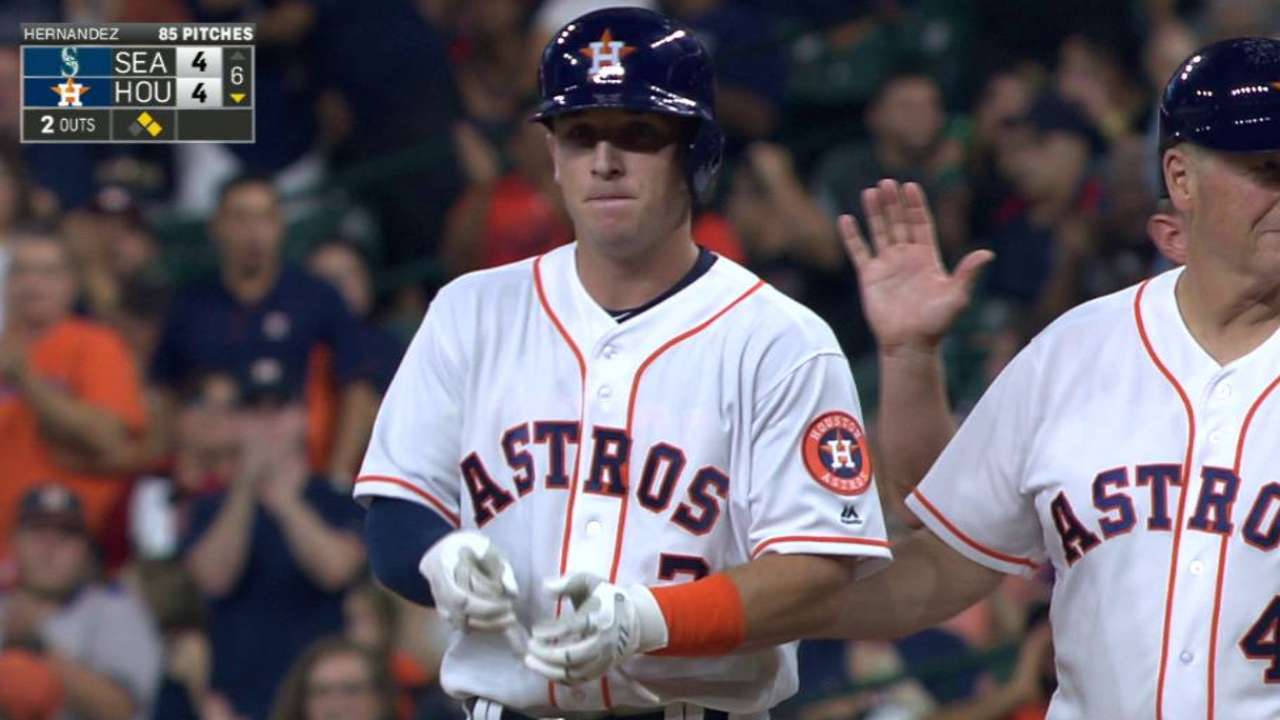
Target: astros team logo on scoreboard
<point x="836" y="453"/>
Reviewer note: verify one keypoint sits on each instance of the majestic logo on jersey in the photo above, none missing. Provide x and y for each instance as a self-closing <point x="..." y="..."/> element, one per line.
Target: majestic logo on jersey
<point x="606" y="56"/>
<point x="836" y="454"/>
<point x="850" y="516"/>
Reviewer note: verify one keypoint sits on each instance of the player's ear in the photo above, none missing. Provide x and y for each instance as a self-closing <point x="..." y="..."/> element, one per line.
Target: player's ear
<point x="1179" y="176"/>
<point x="1168" y="231"/>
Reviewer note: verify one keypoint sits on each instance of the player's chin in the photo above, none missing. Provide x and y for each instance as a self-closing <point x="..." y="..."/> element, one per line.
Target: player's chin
<point x="613" y="230"/>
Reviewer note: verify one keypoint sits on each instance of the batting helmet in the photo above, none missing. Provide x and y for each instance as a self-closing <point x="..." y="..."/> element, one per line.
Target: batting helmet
<point x="638" y="60"/>
<point x="1225" y="97"/>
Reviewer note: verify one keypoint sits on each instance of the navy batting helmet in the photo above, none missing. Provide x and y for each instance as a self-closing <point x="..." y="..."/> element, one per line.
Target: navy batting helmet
<point x="1225" y="97"/>
<point x="636" y="59"/>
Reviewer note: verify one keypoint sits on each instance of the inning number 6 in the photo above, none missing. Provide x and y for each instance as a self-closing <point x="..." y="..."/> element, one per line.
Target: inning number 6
<point x="1262" y="642"/>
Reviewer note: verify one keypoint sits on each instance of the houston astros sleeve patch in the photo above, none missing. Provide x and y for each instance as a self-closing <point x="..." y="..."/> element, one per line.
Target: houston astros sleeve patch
<point x="836" y="453"/>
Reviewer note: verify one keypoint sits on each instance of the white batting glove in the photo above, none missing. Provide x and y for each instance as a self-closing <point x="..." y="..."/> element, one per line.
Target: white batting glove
<point x="609" y="624"/>
<point x="473" y="584"/>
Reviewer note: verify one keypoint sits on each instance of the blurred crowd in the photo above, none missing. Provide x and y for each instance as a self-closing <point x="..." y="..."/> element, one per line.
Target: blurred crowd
<point x="195" y="338"/>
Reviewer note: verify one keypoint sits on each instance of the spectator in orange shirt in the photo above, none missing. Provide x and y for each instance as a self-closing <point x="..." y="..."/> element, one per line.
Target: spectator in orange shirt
<point x="70" y="395"/>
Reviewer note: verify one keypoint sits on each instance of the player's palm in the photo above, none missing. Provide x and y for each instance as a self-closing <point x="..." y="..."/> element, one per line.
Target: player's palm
<point x="909" y="298"/>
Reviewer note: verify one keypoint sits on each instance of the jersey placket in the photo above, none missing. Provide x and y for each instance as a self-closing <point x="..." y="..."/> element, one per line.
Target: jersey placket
<point x="1200" y="552"/>
<point x="592" y="528"/>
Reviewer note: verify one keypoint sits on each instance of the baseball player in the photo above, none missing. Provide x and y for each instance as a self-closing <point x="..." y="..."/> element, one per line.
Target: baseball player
<point x="1131" y="445"/>
<point x="630" y="446"/>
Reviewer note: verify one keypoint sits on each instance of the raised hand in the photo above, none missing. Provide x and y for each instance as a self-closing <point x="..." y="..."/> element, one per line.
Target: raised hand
<point x="909" y="298"/>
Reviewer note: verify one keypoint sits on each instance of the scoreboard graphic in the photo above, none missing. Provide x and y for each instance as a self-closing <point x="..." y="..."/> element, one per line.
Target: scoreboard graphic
<point x="137" y="83"/>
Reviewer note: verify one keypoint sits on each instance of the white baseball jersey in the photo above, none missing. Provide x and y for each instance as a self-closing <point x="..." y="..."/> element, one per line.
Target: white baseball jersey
<point x="1116" y="449"/>
<point x="719" y="425"/>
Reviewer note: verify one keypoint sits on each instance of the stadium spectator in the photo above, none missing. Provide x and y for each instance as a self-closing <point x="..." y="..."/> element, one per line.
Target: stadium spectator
<point x="1098" y="70"/>
<point x="371" y="616"/>
<point x="175" y="604"/>
<point x="1221" y="19"/>
<point x="342" y="264"/>
<point x="336" y="678"/>
<point x="906" y="124"/>
<point x="15" y="205"/>
<point x="118" y="258"/>
<point x="489" y="63"/>
<point x="206" y="457"/>
<point x="750" y="78"/>
<point x="503" y="219"/>
<point x="98" y="639"/>
<point x="1006" y="97"/>
<point x="261" y="320"/>
<point x="787" y="237"/>
<point x="394" y="103"/>
<point x="1167" y="45"/>
<point x="285" y="91"/>
<point x="1025" y="694"/>
<point x="1044" y="233"/>
<point x="272" y="555"/>
<point x="70" y="395"/>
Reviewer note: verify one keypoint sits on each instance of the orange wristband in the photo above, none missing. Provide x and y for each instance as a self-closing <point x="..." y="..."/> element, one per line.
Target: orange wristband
<point x="704" y="618"/>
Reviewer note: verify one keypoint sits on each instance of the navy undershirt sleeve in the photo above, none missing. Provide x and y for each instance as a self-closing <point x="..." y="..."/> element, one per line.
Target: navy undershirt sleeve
<point x="398" y="533"/>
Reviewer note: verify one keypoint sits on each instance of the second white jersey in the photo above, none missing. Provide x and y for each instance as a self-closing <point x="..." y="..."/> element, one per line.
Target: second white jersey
<point x="719" y="425"/>
<point x="1148" y="475"/>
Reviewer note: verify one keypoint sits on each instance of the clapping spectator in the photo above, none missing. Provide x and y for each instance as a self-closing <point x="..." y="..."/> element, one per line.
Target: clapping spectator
<point x="262" y="320"/>
<point x="98" y="640"/>
<point x="272" y="554"/>
<point x="70" y="396"/>
<point x="1046" y="232"/>
<point x="906" y="124"/>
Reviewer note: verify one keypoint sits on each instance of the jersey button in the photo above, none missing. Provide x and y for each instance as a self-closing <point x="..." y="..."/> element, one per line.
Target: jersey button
<point x="1197" y="567"/>
<point x="1215" y="437"/>
<point x="1186" y="657"/>
<point x="578" y="695"/>
<point x="605" y="392"/>
<point x="593" y="528"/>
<point x="608" y="352"/>
<point x="1223" y="391"/>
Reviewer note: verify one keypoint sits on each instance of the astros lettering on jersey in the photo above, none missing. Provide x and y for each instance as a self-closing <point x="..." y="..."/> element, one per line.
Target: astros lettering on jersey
<point x="1116" y="449"/>
<point x="719" y="425"/>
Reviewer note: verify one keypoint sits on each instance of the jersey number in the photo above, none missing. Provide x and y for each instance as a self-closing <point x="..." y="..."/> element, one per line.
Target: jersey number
<point x="671" y="566"/>
<point x="1262" y="642"/>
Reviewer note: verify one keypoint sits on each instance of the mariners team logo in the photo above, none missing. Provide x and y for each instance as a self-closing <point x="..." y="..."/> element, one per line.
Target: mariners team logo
<point x="836" y="453"/>
<point x="606" y="56"/>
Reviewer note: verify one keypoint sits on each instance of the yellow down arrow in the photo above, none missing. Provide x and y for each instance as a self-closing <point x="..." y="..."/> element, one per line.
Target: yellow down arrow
<point x="237" y="97"/>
